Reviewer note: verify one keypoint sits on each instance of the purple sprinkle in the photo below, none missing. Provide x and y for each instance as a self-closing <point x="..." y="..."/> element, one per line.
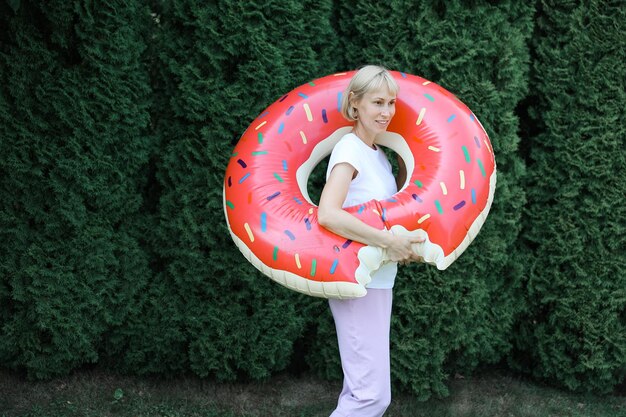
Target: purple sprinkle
<point x="384" y="215"/>
<point x="346" y="243"/>
<point x="289" y="110"/>
<point x="283" y="98"/>
<point x="392" y="200"/>
<point x="230" y="182"/>
<point x="264" y="114"/>
<point x="308" y="224"/>
<point x="291" y="236"/>
<point x="273" y="196"/>
<point x="459" y="205"/>
<point x="297" y="200"/>
<point x="324" y="117"/>
<point x="417" y="198"/>
<point x="243" y="164"/>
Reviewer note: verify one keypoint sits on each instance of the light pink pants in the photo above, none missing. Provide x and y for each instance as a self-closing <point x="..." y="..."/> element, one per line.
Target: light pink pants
<point x="363" y="334"/>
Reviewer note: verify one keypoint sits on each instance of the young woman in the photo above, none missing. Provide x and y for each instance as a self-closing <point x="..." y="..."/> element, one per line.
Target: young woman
<point x="359" y="171"/>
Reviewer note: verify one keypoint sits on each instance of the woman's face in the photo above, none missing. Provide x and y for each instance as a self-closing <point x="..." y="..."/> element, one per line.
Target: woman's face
<point x="375" y="111"/>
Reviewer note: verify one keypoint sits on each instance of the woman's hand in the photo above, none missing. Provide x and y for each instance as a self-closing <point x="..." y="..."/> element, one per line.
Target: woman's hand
<point x="400" y="249"/>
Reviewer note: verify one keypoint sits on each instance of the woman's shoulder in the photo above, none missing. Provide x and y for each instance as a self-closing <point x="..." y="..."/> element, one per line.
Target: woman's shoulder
<point x="347" y="149"/>
<point x="349" y="136"/>
<point x="349" y="141"/>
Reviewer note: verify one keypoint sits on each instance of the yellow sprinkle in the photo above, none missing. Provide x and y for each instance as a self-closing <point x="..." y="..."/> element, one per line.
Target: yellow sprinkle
<point x="298" y="261"/>
<point x="433" y="148"/>
<point x="421" y="116"/>
<point x="376" y="211"/>
<point x="423" y="218"/>
<point x="487" y="144"/>
<point x="443" y="188"/>
<point x="338" y="74"/>
<point x="260" y="126"/>
<point x="311" y="210"/>
<point x="426" y="83"/>
<point x="303" y="137"/>
<point x="462" y="176"/>
<point x="249" y="231"/>
<point x="309" y="115"/>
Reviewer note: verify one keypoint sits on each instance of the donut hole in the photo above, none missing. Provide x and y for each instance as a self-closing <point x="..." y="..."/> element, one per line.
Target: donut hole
<point x="396" y="147"/>
<point x="392" y="156"/>
<point x="311" y="175"/>
<point x="317" y="179"/>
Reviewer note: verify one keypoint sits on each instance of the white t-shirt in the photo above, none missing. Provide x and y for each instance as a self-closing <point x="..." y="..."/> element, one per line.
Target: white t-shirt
<point x="374" y="180"/>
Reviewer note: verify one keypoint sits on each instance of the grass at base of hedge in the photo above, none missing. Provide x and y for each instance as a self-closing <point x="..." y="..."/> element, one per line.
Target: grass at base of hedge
<point x="98" y="393"/>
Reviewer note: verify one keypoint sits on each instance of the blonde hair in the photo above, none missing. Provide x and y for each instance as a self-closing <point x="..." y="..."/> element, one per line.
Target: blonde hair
<point x="369" y="78"/>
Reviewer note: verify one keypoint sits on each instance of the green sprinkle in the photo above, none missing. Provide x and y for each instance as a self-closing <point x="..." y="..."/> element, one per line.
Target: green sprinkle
<point x="482" y="168"/>
<point x="418" y="183"/>
<point x="311" y="83"/>
<point x="257" y="153"/>
<point x="230" y="204"/>
<point x="428" y="96"/>
<point x="275" y="254"/>
<point x="467" y="155"/>
<point x="278" y="177"/>
<point x="313" y="266"/>
<point x="260" y="137"/>
<point x="439" y="208"/>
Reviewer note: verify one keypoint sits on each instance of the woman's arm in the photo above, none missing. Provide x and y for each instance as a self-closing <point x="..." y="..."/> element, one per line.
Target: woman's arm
<point x="333" y="217"/>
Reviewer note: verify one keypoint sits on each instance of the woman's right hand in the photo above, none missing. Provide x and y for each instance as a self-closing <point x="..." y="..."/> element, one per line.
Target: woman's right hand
<point x="400" y="249"/>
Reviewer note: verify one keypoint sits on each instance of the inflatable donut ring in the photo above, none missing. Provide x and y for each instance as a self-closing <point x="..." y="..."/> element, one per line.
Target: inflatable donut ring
<point x="451" y="177"/>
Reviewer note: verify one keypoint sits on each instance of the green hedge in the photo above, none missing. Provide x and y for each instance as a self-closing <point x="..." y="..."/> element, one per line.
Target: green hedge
<point x="574" y="333"/>
<point x="117" y="120"/>
<point x="74" y="116"/>
<point x="217" y="65"/>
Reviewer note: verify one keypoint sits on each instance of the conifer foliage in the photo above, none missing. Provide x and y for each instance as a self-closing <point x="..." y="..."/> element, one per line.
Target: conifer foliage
<point x="217" y="66"/>
<point x="74" y="98"/>
<point x="575" y="223"/>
